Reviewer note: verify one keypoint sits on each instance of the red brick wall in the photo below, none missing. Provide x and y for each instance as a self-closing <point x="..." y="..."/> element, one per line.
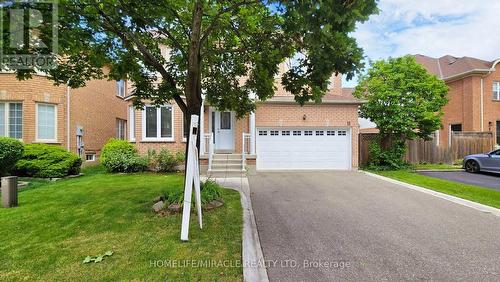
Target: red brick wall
<point x="95" y="107"/>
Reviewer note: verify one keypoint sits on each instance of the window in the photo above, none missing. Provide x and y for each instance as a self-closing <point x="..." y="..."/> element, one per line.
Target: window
<point x="11" y="120"/>
<point x="456" y="127"/>
<point x="121" y="124"/>
<point x="131" y="124"/>
<point x="157" y="123"/>
<point x="496" y="90"/>
<point x="330" y="133"/>
<point x="120" y="88"/>
<point x="263" y="132"/>
<point x="341" y="133"/>
<point x="297" y="133"/>
<point x="308" y="132"/>
<point x="274" y="132"/>
<point x="46" y="118"/>
<point x="320" y="132"/>
<point x="285" y="133"/>
<point x="90" y="157"/>
<point x="225" y="120"/>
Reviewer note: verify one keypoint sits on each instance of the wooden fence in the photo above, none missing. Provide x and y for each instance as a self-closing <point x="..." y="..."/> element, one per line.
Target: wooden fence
<point x="420" y="151"/>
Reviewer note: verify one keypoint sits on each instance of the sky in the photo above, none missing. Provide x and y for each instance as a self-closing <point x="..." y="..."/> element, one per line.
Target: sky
<point x="431" y="27"/>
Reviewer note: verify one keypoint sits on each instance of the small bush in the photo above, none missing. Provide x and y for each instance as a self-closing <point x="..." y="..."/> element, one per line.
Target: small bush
<point x="47" y="161"/>
<point x="11" y="150"/>
<point x="124" y="162"/>
<point x="165" y="161"/>
<point x="121" y="156"/>
<point x="391" y="158"/>
<point x="210" y="191"/>
<point x="116" y="145"/>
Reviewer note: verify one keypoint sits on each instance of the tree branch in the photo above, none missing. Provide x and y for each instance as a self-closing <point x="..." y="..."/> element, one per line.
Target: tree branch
<point x="217" y="16"/>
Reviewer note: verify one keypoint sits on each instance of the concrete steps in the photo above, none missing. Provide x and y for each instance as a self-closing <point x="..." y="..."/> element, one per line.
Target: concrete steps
<point x="227" y="165"/>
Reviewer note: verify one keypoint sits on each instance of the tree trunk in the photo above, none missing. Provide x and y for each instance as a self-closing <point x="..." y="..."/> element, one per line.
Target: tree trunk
<point x="193" y="82"/>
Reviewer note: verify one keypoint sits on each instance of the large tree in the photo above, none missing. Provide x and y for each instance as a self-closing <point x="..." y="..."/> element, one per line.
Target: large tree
<point x="212" y="44"/>
<point x="404" y="101"/>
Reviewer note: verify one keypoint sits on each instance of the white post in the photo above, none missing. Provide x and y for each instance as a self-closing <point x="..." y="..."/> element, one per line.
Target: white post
<point x="252" y="133"/>
<point x="192" y="177"/>
<point x="202" y="128"/>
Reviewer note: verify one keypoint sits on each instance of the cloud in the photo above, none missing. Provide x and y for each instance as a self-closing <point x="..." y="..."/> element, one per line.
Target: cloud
<point x="433" y="28"/>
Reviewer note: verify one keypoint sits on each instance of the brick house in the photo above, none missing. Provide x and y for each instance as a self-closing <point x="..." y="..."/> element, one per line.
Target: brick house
<point x="80" y="120"/>
<point x="279" y="135"/>
<point x="474" y="95"/>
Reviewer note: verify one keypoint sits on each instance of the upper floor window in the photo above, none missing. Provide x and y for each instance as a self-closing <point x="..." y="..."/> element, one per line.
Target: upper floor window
<point x="46" y="122"/>
<point x="496" y="90"/>
<point x="11" y="120"/>
<point x="157" y="123"/>
<point x="121" y="126"/>
<point x="120" y="88"/>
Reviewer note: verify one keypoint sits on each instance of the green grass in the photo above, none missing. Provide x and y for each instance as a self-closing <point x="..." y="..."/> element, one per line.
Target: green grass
<point x="474" y="193"/>
<point x="58" y="224"/>
<point x="435" y="166"/>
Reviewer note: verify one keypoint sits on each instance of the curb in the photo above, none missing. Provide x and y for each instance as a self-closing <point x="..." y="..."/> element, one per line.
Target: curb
<point x="439" y="170"/>
<point x="460" y="201"/>
<point x="253" y="259"/>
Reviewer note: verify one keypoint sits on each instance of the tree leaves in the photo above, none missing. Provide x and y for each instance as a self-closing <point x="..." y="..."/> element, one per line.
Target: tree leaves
<point x="98" y="258"/>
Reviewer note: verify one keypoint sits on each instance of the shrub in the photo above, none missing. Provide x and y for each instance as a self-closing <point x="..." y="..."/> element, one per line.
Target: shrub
<point x="124" y="162"/>
<point x="47" y="161"/>
<point x="210" y="191"/>
<point x="390" y="158"/>
<point x="116" y="145"/>
<point x="11" y="150"/>
<point x="121" y="156"/>
<point x="165" y="161"/>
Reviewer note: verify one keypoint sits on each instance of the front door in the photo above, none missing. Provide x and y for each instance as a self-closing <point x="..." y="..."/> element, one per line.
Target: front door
<point x="224" y="131"/>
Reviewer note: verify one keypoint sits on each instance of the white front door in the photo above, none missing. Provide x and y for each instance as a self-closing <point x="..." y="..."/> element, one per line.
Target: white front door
<point x="224" y="131"/>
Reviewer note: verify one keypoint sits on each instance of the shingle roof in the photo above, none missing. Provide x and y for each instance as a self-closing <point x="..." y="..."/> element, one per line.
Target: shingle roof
<point x="449" y="66"/>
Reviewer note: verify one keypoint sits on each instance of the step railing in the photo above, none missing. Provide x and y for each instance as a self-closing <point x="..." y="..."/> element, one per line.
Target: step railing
<point x="244" y="148"/>
<point x="209" y="140"/>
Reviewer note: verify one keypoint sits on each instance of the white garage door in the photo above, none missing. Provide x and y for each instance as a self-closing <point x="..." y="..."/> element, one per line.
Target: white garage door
<point x="297" y="149"/>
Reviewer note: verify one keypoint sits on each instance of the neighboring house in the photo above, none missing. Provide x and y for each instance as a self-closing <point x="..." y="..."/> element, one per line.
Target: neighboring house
<point x="279" y="135"/>
<point x="474" y="95"/>
<point x="80" y="120"/>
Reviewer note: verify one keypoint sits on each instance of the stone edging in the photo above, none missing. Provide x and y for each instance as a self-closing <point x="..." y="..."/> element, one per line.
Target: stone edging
<point x="457" y="200"/>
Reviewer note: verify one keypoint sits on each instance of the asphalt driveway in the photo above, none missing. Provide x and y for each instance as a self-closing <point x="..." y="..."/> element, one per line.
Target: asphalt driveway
<point x="479" y="179"/>
<point x="334" y="226"/>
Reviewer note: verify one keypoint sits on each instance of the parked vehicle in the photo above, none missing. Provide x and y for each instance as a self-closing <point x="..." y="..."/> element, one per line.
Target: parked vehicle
<point x="489" y="162"/>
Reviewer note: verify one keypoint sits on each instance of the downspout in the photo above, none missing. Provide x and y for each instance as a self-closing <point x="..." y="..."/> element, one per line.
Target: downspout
<point x="68" y="106"/>
<point x="482" y="104"/>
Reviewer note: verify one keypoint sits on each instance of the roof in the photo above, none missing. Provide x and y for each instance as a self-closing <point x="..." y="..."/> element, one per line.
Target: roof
<point x="330" y="98"/>
<point x="450" y="67"/>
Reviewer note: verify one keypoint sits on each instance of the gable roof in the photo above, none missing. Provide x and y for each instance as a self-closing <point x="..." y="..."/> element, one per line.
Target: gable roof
<point x="450" y="67"/>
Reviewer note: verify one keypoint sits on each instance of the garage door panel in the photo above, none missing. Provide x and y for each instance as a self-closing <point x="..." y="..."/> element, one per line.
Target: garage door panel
<point x="281" y="152"/>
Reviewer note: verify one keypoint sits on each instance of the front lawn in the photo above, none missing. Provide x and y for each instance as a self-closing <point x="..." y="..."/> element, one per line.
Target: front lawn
<point x="59" y="223"/>
<point x="436" y="166"/>
<point x="470" y="192"/>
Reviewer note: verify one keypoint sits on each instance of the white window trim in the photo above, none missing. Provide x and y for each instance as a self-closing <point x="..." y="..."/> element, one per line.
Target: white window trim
<point x="55" y="125"/>
<point x="7" y="120"/>
<point x="496" y="96"/>
<point x="158" y="125"/>
<point x="131" y="125"/>
<point x="118" y="89"/>
<point x="93" y="157"/>
<point x="124" y="128"/>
